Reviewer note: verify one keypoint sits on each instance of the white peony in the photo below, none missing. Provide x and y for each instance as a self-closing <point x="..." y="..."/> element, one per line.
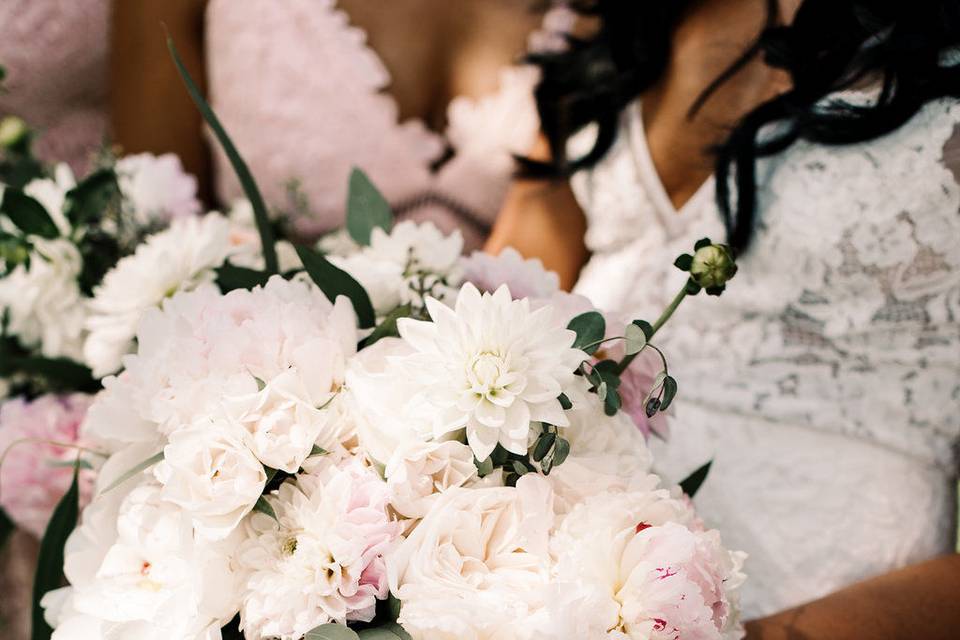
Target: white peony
<point x="322" y="560"/>
<point x="209" y="472"/>
<point x="477" y="566"/>
<point x="206" y="354"/>
<point x="52" y="194"/>
<point x="645" y="569"/>
<point x="156" y="188"/>
<point x="405" y="265"/>
<point x="43" y="301"/>
<point x="491" y="366"/>
<point x="420" y="471"/>
<point x="180" y="258"/>
<point x="155" y="581"/>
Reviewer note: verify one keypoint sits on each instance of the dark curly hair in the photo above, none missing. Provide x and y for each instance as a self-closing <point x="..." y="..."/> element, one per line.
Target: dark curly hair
<point x="830" y="46"/>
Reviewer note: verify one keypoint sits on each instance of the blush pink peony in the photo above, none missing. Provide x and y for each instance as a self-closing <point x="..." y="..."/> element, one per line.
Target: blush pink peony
<point x="37" y="474"/>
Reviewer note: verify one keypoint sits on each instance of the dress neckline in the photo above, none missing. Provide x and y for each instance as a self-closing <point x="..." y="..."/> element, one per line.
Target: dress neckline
<point x="674" y="219"/>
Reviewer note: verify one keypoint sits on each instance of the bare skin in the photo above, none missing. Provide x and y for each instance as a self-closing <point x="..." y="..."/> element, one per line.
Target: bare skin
<point x="542" y="219"/>
<point x="434" y="50"/>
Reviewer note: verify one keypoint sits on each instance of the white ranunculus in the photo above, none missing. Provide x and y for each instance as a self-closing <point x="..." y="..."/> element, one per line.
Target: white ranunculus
<point x="420" y="471"/>
<point x="208" y="471"/>
<point x="245" y="241"/>
<point x="491" y="366"/>
<point x="477" y="566"/>
<point x="52" y="194"/>
<point x="180" y="258"/>
<point x="281" y="419"/>
<point x="44" y="303"/>
<point x="157" y="188"/>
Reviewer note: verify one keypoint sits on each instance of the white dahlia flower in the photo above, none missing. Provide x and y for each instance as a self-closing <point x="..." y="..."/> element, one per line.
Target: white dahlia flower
<point x="157" y="188"/>
<point x="322" y="560"/>
<point x="43" y="301"/>
<point x="477" y="566"/>
<point x="180" y="258"/>
<point x="490" y="366"/>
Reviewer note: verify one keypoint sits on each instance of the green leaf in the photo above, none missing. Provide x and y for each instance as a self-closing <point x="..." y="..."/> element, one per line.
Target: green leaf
<point x="635" y="339"/>
<point x="692" y="483"/>
<point x="544" y="444"/>
<point x="62" y="373"/>
<point x="249" y="185"/>
<point x="565" y="403"/>
<point x="27" y="214"/>
<point x="701" y="243"/>
<point x="230" y="277"/>
<point x="317" y="451"/>
<point x="484" y="468"/>
<point x="684" y="262"/>
<point x="367" y="209"/>
<point x="669" y="392"/>
<point x="388" y="327"/>
<point x="264" y="506"/>
<point x="602" y="390"/>
<point x="92" y="197"/>
<point x="519" y="468"/>
<point x="331" y="631"/>
<point x="49" y="575"/>
<point x="590" y="328"/>
<point x="561" y="451"/>
<point x="612" y="403"/>
<point x="337" y="282"/>
<point x="389" y="631"/>
<point x="139" y="468"/>
<point x="646" y="327"/>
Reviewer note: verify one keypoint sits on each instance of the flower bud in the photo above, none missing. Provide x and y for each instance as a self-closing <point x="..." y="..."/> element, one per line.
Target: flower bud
<point x="712" y="266"/>
<point x="13" y="131"/>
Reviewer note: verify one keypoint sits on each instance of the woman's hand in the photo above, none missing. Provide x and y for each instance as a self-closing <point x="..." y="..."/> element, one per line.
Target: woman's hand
<point x="916" y="602"/>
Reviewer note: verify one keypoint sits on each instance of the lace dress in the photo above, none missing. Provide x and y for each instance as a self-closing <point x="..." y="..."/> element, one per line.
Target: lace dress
<point x="825" y="383"/>
<point x="305" y="98"/>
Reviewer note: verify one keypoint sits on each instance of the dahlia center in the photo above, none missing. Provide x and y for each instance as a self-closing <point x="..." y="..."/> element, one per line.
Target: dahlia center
<point x="486" y="371"/>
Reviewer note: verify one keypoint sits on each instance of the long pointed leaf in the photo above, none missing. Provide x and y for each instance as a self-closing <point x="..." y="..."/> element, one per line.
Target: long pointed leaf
<point x="367" y="209"/>
<point x="142" y="466"/>
<point x="695" y="480"/>
<point x="334" y="282"/>
<point x="49" y="574"/>
<point x="27" y="214"/>
<point x="239" y="166"/>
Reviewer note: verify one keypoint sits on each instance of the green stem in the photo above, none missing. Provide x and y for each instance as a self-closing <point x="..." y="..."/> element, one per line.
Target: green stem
<point x="662" y="320"/>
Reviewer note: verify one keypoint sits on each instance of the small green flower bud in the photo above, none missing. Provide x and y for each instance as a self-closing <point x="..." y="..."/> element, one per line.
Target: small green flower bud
<point x="13" y="130"/>
<point x="712" y="266"/>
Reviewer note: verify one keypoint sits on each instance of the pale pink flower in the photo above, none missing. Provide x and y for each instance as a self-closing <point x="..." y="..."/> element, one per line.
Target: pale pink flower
<point x="35" y="475"/>
<point x="525" y="278"/>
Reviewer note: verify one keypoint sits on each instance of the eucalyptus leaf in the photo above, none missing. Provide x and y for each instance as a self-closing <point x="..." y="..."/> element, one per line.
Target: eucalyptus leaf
<point x="331" y="631"/>
<point x="692" y="483"/>
<point x="317" y="451"/>
<point x="367" y="209"/>
<point x="484" y="468"/>
<point x="389" y="631"/>
<point x="561" y="451"/>
<point x="602" y="390"/>
<point x="27" y="214"/>
<point x="590" y="328"/>
<point x="613" y="402"/>
<point x="669" y="392"/>
<point x="565" y="403"/>
<point x="544" y="444"/>
<point x="240" y="167"/>
<point x="519" y="468"/>
<point x="263" y="506"/>
<point x="635" y="339"/>
<point x="334" y="282"/>
<point x="139" y="468"/>
<point x="49" y="574"/>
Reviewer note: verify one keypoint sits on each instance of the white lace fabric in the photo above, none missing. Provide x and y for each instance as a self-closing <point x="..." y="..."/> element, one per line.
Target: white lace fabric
<point x="826" y="381"/>
<point x="306" y="98"/>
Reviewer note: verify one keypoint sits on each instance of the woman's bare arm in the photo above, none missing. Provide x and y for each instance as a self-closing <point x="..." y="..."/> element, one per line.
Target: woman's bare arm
<point x="150" y="109"/>
<point x="916" y="602"/>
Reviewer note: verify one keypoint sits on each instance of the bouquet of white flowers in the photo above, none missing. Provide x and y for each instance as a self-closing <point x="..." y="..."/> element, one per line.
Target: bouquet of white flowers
<point x="381" y="440"/>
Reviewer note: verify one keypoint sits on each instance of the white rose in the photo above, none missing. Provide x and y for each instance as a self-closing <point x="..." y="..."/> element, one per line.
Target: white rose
<point x="477" y="566"/>
<point x="209" y="472"/>
<point x="420" y="471"/>
<point x="281" y="419"/>
<point x="378" y="399"/>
